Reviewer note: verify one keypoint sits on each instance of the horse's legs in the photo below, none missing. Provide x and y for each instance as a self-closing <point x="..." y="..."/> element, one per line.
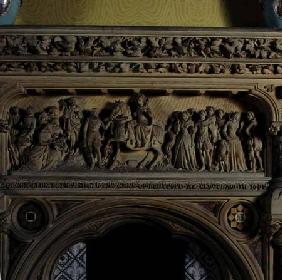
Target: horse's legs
<point x="156" y="159"/>
<point x="116" y="154"/>
<point x="143" y="161"/>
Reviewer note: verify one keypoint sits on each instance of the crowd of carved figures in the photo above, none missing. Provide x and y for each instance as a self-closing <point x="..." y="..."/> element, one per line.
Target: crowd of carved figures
<point x="210" y="139"/>
<point x="140" y="68"/>
<point x="137" y="46"/>
<point x="213" y="140"/>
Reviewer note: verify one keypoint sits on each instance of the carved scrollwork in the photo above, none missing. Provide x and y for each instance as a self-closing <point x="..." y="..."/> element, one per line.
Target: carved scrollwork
<point x="127" y="135"/>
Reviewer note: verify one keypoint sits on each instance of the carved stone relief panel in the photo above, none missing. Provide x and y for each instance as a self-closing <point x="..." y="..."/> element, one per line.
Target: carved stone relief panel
<point x="192" y="133"/>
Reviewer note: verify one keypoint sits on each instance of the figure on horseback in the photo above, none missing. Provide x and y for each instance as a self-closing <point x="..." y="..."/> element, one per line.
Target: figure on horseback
<point x="132" y="128"/>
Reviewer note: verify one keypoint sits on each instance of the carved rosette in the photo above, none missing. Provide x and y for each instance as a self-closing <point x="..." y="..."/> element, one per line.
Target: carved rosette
<point x="241" y="219"/>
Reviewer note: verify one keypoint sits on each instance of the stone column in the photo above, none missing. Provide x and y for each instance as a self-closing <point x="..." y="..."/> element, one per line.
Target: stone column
<point x="277" y="245"/>
<point x="4" y="238"/>
<point x="276" y="150"/>
<point x="4" y="162"/>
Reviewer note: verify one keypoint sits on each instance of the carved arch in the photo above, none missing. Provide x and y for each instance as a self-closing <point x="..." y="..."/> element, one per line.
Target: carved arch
<point x="267" y="98"/>
<point x="95" y="218"/>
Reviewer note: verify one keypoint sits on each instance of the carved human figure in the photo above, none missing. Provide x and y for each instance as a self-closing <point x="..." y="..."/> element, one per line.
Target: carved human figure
<point x="121" y="129"/>
<point x="120" y="123"/>
<point x="213" y="129"/>
<point x="203" y="142"/>
<point x="254" y="144"/>
<point x="72" y="116"/>
<point x="144" y="120"/>
<point x="13" y="132"/>
<point x="92" y="139"/>
<point x="184" y="149"/>
<point x="220" y="120"/>
<point x="171" y="132"/>
<point x="236" y="157"/>
<point x="222" y="149"/>
<point x="27" y="128"/>
<point x="50" y="149"/>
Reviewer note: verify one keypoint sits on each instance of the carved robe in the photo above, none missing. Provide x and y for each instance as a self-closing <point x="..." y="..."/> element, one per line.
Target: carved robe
<point x="184" y="150"/>
<point x="236" y="158"/>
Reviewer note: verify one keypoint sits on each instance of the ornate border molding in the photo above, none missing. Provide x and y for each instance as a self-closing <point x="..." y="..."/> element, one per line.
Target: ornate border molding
<point x="140" y="51"/>
<point x="182" y="185"/>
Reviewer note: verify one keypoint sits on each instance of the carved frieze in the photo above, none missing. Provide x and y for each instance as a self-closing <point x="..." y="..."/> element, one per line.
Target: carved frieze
<point x="140" y="46"/>
<point x="207" y="68"/>
<point x="178" y="54"/>
<point x="126" y="136"/>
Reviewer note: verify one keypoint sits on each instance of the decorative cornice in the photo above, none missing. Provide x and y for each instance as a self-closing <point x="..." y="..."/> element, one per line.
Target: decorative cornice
<point x="140" y="51"/>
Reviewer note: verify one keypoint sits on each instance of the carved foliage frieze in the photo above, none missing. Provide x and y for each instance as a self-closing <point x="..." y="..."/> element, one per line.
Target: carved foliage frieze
<point x="140" y="46"/>
<point x="160" y="68"/>
<point x="99" y="54"/>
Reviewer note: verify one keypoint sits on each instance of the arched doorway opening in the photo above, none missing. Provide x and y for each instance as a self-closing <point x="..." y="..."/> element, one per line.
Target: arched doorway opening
<point x="138" y="250"/>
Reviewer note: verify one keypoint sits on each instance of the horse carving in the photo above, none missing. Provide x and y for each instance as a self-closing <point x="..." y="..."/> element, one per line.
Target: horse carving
<point x="132" y="129"/>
